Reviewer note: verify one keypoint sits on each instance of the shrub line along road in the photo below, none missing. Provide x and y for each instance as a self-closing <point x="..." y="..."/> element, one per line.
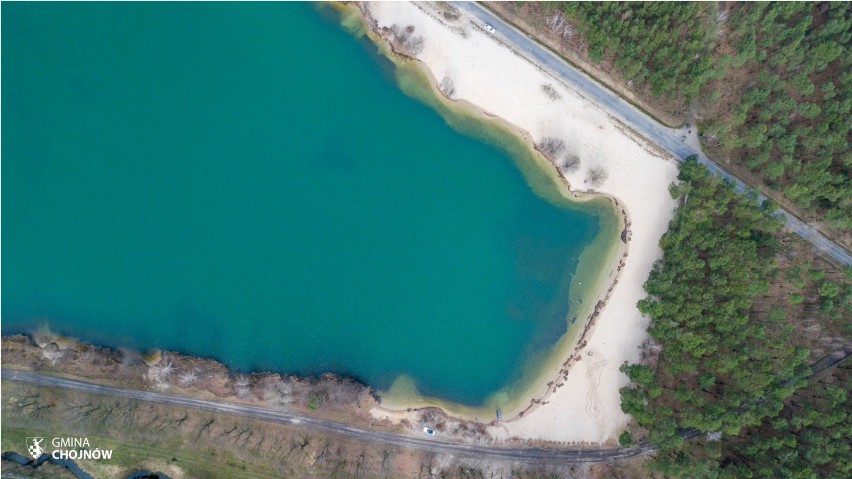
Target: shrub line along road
<point x="423" y="443"/>
<point x="632" y="116"/>
<point x="434" y="444"/>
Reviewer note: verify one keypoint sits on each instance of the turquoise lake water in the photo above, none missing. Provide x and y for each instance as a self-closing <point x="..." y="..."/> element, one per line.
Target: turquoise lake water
<point x="248" y="182"/>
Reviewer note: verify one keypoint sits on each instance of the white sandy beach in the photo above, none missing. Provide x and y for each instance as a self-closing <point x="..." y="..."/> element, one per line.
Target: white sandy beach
<point x="586" y="408"/>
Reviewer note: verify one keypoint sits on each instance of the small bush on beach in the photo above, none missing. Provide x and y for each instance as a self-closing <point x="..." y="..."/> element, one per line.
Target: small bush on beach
<point x="447" y="87"/>
<point x="570" y="163"/>
<point x="551" y="147"/>
<point x="597" y="175"/>
<point x="550" y="92"/>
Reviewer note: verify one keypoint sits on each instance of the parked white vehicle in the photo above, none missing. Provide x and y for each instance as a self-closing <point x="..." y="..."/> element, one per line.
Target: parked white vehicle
<point x="490" y="28"/>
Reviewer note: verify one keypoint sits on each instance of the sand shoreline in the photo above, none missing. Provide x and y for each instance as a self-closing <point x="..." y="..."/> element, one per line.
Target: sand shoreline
<point x="534" y="392"/>
<point x="580" y="402"/>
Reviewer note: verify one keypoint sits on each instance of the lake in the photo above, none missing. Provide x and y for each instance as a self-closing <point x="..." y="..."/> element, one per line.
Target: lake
<point x="250" y="182"/>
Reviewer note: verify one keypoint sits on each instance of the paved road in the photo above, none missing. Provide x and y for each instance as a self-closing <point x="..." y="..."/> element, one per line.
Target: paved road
<point x="424" y="443"/>
<point x="663" y="136"/>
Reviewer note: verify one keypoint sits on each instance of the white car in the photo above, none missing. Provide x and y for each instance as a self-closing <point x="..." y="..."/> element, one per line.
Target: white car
<point x="490" y="28"/>
<point x="429" y="431"/>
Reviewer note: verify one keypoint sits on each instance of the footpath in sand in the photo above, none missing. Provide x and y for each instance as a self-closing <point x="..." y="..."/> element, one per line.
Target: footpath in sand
<point x="584" y="404"/>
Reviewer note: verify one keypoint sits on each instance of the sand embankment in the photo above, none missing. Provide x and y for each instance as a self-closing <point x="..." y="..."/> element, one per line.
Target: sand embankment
<point x="472" y="66"/>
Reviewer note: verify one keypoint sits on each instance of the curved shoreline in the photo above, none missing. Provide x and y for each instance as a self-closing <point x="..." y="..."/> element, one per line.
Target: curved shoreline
<point x="582" y="406"/>
<point x="567" y="350"/>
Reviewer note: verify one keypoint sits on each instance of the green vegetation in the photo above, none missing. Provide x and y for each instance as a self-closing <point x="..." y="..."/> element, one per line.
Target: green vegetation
<point x="715" y="361"/>
<point x="770" y="82"/>
<point x="810" y="438"/>
<point x="791" y="123"/>
<point x="726" y="363"/>
<point x="667" y="45"/>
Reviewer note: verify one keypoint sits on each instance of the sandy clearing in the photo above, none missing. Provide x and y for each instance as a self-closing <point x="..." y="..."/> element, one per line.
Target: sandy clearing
<point x="586" y="407"/>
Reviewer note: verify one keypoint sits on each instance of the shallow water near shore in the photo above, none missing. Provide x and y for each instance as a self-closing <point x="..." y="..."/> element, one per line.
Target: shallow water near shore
<point x="249" y="182"/>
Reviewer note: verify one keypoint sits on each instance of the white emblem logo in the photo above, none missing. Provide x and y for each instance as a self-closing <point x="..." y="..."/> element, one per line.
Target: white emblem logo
<point x="34" y="446"/>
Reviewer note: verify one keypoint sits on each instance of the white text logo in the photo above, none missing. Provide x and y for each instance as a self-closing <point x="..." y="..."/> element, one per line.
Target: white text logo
<point x="67" y="448"/>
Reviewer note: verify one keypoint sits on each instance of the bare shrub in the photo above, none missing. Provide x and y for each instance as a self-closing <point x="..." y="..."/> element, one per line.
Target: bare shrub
<point x="596" y="175"/>
<point x="559" y="25"/>
<point x="188" y="378"/>
<point x="551" y="147"/>
<point x="162" y="371"/>
<point x="414" y="45"/>
<point x="405" y="37"/>
<point x="550" y="92"/>
<point x="570" y="163"/>
<point x="447" y="87"/>
<point x="130" y="358"/>
<point x="241" y="385"/>
<point x="52" y="353"/>
<point x="398" y="32"/>
<point x="280" y="393"/>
